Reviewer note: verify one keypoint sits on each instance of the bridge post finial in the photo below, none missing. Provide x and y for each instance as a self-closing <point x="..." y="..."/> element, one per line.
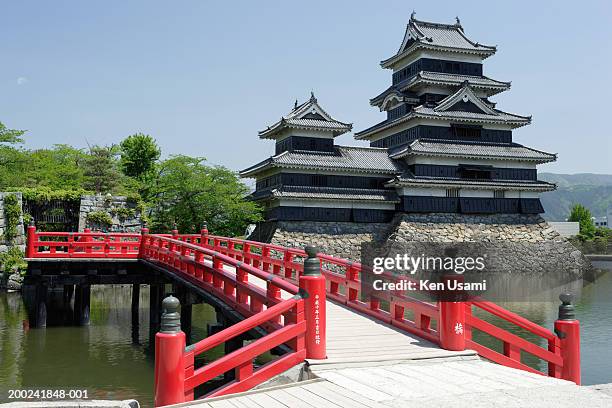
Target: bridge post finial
<point x="170" y="356"/>
<point x="174" y="230"/>
<point x="312" y="264"/>
<point x="171" y="316"/>
<point x="31" y="239"/>
<point x="313" y="291"/>
<point x="567" y="328"/>
<point x="204" y="234"/>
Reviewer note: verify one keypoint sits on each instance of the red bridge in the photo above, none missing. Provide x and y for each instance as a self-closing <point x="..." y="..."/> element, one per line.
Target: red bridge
<point x="308" y="305"/>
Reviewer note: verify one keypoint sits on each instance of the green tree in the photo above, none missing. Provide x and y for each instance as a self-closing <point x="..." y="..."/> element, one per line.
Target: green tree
<point x="10" y="136"/>
<point x="190" y="193"/>
<point x="139" y="153"/>
<point x="61" y="167"/>
<point x="12" y="157"/>
<point x="583" y="216"/>
<point x="100" y="169"/>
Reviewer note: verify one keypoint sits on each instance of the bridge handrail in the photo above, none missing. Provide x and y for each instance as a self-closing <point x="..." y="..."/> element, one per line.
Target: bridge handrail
<point x="349" y="281"/>
<point x="283" y="319"/>
<point x="512" y="317"/>
<point x="424" y="312"/>
<point x="81" y="244"/>
<point x="251" y="270"/>
<point x="292" y="331"/>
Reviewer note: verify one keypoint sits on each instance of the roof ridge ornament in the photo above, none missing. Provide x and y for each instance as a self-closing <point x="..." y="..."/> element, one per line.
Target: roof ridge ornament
<point x="458" y="23"/>
<point x="312" y="97"/>
<point x="295" y="105"/>
<point x="413" y="15"/>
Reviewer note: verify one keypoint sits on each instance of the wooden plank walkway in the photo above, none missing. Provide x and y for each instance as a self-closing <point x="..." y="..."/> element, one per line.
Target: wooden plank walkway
<point x="462" y="382"/>
<point x="353" y="337"/>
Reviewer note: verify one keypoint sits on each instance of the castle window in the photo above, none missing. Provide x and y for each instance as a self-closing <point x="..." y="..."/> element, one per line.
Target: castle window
<point x="452" y="192"/>
<point x="499" y="194"/>
<point x="319" y="180"/>
<point x="466" y="132"/>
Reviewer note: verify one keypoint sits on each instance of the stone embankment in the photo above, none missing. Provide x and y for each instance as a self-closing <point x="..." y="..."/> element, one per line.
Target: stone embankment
<point x="515" y="241"/>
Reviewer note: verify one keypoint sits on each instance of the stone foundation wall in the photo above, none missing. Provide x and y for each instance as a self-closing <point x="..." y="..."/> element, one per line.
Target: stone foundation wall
<point x="514" y="242"/>
<point x="20" y="238"/>
<point x="519" y="241"/>
<point x="91" y="203"/>
<point x="341" y="239"/>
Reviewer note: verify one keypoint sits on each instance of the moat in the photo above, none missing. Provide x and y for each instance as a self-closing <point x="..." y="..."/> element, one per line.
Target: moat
<point x="111" y="358"/>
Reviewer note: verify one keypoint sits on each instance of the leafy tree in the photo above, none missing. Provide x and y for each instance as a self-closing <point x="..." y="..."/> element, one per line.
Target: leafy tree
<point x="583" y="216"/>
<point x="139" y="152"/>
<point x="190" y="193"/>
<point x="12" y="158"/>
<point x="10" y="136"/>
<point x="61" y="167"/>
<point x="100" y="169"/>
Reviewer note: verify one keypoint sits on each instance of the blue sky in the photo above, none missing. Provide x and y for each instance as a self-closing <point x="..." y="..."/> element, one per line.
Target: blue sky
<point x="203" y="77"/>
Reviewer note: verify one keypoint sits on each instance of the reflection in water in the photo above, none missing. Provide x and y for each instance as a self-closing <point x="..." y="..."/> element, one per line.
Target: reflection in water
<point x="101" y="358"/>
<point x="104" y="359"/>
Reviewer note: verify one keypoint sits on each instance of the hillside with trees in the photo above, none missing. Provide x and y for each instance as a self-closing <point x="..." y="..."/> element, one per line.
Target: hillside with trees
<point x="594" y="191"/>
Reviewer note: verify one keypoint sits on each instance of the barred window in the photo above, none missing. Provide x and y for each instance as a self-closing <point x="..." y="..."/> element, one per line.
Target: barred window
<point x="499" y="194"/>
<point x="452" y="192"/>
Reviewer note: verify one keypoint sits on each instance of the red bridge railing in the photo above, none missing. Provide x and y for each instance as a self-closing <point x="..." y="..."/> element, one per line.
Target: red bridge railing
<point x="448" y="324"/>
<point x="82" y="244"/>
<point x="229" y="267"/>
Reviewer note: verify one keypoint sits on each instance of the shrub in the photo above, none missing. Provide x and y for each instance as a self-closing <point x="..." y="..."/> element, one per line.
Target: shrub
<point x="12" y="213"/>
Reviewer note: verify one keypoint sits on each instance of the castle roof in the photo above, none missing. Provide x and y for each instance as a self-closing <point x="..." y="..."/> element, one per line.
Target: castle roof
<point x="436" y="36"/>
<point x="471" y="150"/>
<point x="350" y="158"/>
<point x="450" y="109"/>
<point x="408" y="179"/>
<point x="308" y="115"/>
<point x="491" y="86"/>
<point x="330" y="193"/>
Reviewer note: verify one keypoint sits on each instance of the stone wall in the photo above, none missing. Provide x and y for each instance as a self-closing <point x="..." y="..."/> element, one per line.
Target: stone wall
<point x="108" y="204"/>
<point x="341" y="239"/>
<point x="522" y="242"/>
<point x="514" y="242"/>
<point x="20" y="238"/>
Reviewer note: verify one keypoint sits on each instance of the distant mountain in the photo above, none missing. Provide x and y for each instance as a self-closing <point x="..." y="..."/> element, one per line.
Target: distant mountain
<point x="592" y="190"/>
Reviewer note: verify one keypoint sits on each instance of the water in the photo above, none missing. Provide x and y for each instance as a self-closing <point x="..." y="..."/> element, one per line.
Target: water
<point x="103" y="358"/>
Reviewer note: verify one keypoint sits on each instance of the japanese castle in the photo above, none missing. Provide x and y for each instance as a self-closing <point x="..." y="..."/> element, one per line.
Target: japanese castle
<point x="444" y="147"/>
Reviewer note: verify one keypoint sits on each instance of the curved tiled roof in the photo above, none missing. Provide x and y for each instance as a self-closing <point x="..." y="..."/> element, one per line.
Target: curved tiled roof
<point x="475" y="150"/>
<point x="330" y="193"/>
<point x="423" y="34"/>
<point x="408" y="179"/>
<point x="308" y="115"/>
<point x="458" y="116"/>
<point x="353" y="158"/>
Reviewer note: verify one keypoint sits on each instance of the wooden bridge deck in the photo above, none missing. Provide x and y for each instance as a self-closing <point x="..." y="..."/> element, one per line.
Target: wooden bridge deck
<point x="356" y="338"/>
<point x="461" y="382"/>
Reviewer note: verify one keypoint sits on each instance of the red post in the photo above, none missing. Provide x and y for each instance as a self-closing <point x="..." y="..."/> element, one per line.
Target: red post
<point x="31" y="244"/>
<point x="144" y="232"/>
<point x="451" y="321"/>
<point x="169" y="356"/>
<point x="312" y="288"/>
<point x="204" y="235"/>
<point x="567" y="329"/>
<point x="86" y="239"/>
<point x="175" y="232"/>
